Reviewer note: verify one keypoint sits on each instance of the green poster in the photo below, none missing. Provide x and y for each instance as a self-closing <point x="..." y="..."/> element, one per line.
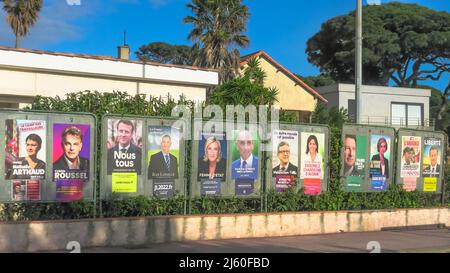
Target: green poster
<point x="360" y="164"/>
<point x="355" y="161"/>
<point x="354" y="184"/>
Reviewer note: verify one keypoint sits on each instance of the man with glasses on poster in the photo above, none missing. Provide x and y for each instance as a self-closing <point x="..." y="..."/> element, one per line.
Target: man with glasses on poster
<point x="285" y="167"/>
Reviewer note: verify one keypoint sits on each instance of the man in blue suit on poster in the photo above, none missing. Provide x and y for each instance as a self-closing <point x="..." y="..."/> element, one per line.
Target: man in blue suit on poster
<point x="246" y="166"/>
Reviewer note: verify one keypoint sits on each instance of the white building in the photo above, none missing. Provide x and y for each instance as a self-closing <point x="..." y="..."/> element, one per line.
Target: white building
<point x="26" y="73"/>
<point x="399" y="107"/>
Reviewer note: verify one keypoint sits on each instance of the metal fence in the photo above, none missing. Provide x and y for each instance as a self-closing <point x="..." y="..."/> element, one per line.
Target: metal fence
<point x="397" y="122"/>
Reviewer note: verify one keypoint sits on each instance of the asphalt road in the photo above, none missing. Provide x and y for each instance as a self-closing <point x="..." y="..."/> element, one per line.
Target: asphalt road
<point x="411" y="240"/>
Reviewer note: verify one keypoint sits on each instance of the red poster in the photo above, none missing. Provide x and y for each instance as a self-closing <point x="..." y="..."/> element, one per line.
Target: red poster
<point x="33" y="190"/>
<point x="311" y="186"/>
<point x="409" y="183"/>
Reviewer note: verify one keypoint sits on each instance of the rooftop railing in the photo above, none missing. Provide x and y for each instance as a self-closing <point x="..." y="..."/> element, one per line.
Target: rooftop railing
<point x="398" y="122"/>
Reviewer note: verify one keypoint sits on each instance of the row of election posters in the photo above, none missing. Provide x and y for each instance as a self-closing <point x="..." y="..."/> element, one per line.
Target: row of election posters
<point x="128" y="143"/>
<point x="227" y="165"/>
<point x="32" y="166"/>
<point x="420" y="158"/>
<point x="367" y="158"/>
<point x="232" y="166"/>
<point x="298" y="159"/>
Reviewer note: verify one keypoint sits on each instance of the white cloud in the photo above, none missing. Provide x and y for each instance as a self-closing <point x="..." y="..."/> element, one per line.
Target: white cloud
<point x="57" y="23"/>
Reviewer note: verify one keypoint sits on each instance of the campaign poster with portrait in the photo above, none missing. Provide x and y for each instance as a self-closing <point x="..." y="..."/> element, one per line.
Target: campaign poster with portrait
<point x="163" y="159"/>
<point x="71" y="159"/>
<point x="355" y="161"/>
<point x="411" y="156"/>
<point x="124" y="153"/>
<point x="379" y="161"/>
<point x="432" y="152"/>
<point x="431" y="167"/>
<point x="25" y="190"/>
<point x="284" y="159"/>
<point x="212" y="162"/>
<point x="25" y="156"/>
<point x="312" y="165"/>
<point x="245" y="149"/>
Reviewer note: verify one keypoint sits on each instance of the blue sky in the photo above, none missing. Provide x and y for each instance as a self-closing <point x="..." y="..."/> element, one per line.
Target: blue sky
<point x="281" y="28"/>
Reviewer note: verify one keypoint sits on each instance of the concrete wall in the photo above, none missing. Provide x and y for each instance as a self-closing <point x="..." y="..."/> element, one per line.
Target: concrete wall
<point x="25" y="85"/>
<point x="54" y="235"/>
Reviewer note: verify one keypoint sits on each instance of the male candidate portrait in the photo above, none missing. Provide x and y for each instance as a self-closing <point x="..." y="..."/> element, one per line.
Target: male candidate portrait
<point x="350" y="156"/>
<point x="246" y="166"/>
<point x="432" y="170"/>
<point x="72" y="143"/>
<point x="128" y="154"/>
<point x="283" y="154"/>
<point x="163" y="164"/>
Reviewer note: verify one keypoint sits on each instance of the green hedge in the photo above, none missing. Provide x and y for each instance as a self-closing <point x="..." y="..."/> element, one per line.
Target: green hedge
<point x="121" y="103"/>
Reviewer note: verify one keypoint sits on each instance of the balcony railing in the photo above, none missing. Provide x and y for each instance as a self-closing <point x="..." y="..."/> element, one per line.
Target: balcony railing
<point x="398" y="122"/>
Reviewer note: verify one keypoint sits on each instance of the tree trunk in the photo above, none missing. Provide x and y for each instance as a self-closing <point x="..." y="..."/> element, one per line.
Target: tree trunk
<point x="17" y="41"/>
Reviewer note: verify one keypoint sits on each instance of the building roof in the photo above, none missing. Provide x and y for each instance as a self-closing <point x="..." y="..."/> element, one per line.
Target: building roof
<point x="297" y="80"/>
<point x="104" y="67"/>
<point x="101" y="57"/>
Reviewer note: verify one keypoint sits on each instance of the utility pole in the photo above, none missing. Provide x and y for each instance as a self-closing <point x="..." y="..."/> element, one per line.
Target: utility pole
<point x="358" y="60"/>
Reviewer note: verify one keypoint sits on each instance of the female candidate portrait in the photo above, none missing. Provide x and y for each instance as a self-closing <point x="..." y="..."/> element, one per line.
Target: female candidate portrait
<point x="212" y="165"/>
<point x="312" y="156"/>
<point x="379" y="161"/>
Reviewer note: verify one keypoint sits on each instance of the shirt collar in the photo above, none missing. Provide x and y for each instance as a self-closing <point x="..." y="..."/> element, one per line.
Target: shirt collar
<point x="249" y="160"/>
<point x="71" y="165"/>
<point x="127" y="147"/>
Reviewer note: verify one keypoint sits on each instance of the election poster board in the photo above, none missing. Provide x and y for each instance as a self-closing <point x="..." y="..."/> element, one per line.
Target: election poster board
<point x="163" y="159"/>
<point x="210" y="174"/>
<point x="366" y="157"/>
<point x="71" y="159"/>
<point x="380" y="158"/>
<point x="246" y="162"/>
<point x="142" y="156"/>
<point x="285" y="163"/>
<point x="297" y="158"/>
<point x="33" y="143"/>
<point x="313" y="148"/>
<point x="26" y="149"/>
<point x="419" y="158"/>
<point x="226" y="159"/>
<point x="212" y="162"/>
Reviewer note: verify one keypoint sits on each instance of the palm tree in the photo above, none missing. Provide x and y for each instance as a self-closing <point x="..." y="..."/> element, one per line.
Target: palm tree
<point x="21" y="15"/>
<point x="254" y="71"/>
<point x="217" y="32"/>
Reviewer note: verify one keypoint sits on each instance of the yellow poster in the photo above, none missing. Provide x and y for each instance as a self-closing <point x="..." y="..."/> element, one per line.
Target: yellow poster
<point x="429" y="183"/>
<point x="124" y="182"/>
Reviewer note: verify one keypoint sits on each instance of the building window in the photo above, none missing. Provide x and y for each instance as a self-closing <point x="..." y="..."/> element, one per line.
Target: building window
<point x="406" y="114"/>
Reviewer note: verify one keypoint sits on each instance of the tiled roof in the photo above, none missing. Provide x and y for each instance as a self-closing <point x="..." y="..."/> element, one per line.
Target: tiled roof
<point x="261" y="53"/>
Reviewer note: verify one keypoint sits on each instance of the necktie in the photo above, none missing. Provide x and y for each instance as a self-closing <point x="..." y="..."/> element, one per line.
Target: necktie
<point x="283" y="169"/>
<point x="244" y="164"/>
<point x="167" y="161"/>
<point x="123" y="150"/>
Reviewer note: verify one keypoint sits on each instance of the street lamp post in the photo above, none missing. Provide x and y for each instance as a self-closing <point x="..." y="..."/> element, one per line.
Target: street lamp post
<point x="358" y="60"/>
